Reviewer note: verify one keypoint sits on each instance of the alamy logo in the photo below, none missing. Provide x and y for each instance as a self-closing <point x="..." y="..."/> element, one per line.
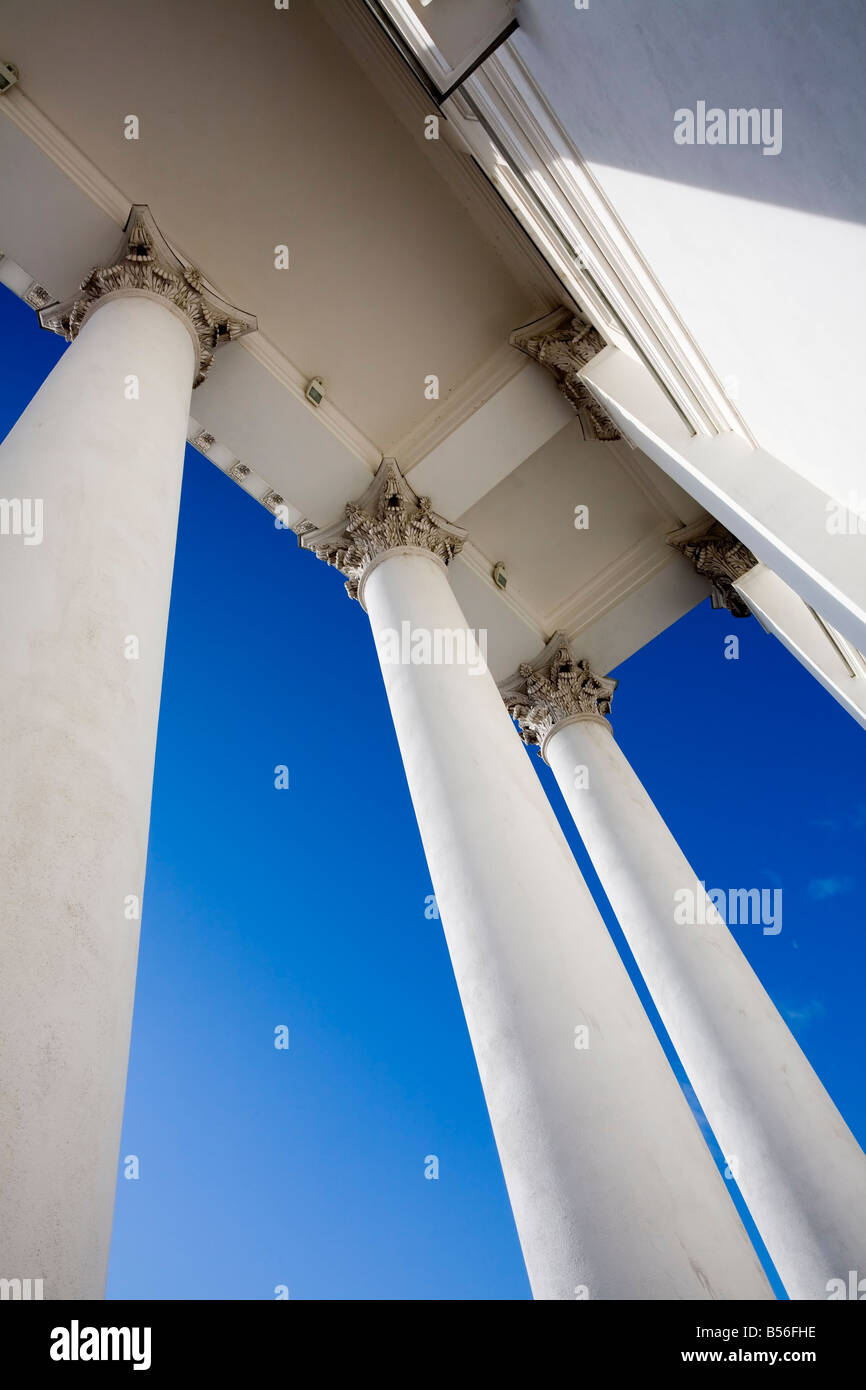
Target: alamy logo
<point x="76" y="1343"/>
<point x="23" y="1289"/>
<point x="847" y="520"/>
<point x="438" y="646"/>
<point x="855" y="1288"/>
<point x="739" y="125"/>
<point x="22" y="516"/>
<point x="738" y="907"/>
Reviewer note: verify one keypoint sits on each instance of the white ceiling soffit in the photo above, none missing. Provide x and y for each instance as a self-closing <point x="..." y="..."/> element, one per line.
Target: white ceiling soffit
<point x="497" y="437"/>
<point x="48" y="223"/>
<point x="281" y="437"/>
<point x="252" y="421"/>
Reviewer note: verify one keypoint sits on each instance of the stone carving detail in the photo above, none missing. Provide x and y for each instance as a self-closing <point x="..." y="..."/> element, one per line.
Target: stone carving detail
<point x="36" y="296"/>
<point x="272" y="500"/>
<point x="388" y="516"/>
<point x="239" y="471"/>
<point x="720" y="557"/>
<point x="145" y="263"/>
<point x="565" y="342"/>
<point x="554" y="687"/>
<point x="204" y="441"/>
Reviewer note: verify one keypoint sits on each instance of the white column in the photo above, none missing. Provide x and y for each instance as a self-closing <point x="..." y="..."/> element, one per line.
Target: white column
<point x="798" y="1166"/>
<point x="98" y="457"/>
<point x="612" y="1187"/>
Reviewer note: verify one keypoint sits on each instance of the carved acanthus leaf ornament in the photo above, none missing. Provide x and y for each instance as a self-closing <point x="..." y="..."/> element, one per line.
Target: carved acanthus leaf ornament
<point x="565" y="342"/>
<point x="555" y="687"/>
<point x="720" y="558"/>
<point x="145" y="264"/>
<point x="389" y="516"/>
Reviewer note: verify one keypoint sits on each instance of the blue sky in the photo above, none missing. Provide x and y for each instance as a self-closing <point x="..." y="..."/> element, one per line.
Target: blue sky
<point x="305" y="907"/>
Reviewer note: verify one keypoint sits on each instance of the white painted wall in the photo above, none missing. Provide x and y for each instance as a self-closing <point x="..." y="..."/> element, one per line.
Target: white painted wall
<point x="761" y="255"/>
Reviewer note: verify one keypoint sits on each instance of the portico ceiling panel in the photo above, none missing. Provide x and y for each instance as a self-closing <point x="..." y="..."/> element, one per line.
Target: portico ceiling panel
<point x="268" y="428"/>
<point x="47" y="224"/>
<point x="391" y="279"/>
<point x="290" y="144"/>
<point x="528" y="519"/>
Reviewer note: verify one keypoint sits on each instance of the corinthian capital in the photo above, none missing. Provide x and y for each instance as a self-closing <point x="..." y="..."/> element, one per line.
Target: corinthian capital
<point x="544" y="693"/>
<point x="389" y="516"/>
<point x="145" y="264"/>
<point x="720" y="557"/>
<point x="565" y="342"/>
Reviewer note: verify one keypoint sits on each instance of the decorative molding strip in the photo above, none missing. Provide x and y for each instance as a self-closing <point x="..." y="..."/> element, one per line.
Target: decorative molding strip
<point x="848" y="653"/>
<point x="389" y="516"/>
<point x="607" y="262"/>
<point x="455" y="161"/>
<point x="590" y="603"/>
<point x="245" y="477"/>
<point x="22" y="283"/>
<point x="204" y="441"/>
<point x="273" y="501"/>
<point x="540" y="174"/>
<point x="146" y="264"/>
<point x="37" y="297"/>
<point x="626" y="574"/>
<point x="565" y="342"/>
<point x="544" y="693"/>
<point x="68" y="157"/>
<point x="482" y="567"/>
<point x="457" y="408"/>
<point x="720" y="557"/>
<point x="283" y="371"/>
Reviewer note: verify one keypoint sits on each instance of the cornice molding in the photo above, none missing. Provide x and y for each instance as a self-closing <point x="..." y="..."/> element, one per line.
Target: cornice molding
<point x="717" y="555"/>
<point x="542" y="177"/>
<point x="389" y="516"/>
<point x="554" y="689"/>
<point x="609" y="587"/>
<point x="68" y="157"/>
<point x="565" y="343"/>
<point x="605" y="271"/>
<point x="245" y="477"/>
<point x="144" y="263"/>
<point x="458" y="407"/>
<point x="593" y="600"/>
<point x="287" y="374"/>
<point x="366" y="41"/>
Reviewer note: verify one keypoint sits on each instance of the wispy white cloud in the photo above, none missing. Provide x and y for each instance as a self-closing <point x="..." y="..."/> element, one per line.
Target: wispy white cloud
<point x="852" y="819"/>
<point x="804" y="1013"/>
<point x="830" y="887"/>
